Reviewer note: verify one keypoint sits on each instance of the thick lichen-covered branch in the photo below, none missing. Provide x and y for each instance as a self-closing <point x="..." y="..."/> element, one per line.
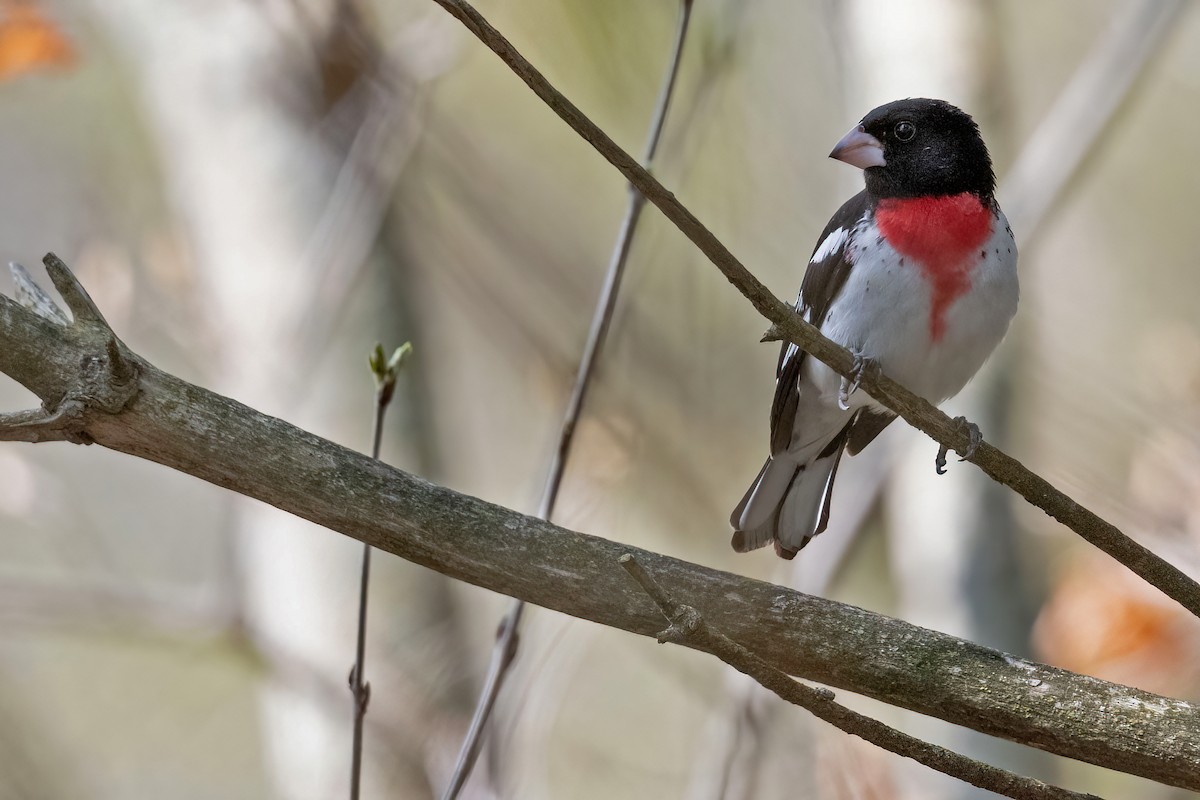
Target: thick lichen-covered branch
<point x="165" y="419"/>
<point x="689" y="628"/>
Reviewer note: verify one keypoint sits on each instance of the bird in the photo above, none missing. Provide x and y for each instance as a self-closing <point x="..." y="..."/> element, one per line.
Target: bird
<point x="917" y="276"/>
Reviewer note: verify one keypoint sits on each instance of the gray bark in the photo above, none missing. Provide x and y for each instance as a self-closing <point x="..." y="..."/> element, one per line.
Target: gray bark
<point x="94" y="389"/>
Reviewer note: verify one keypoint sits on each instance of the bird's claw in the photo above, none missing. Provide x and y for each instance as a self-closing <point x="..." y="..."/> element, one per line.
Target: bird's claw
<point x="975" y="439"/>
<point x="849" y="385"/>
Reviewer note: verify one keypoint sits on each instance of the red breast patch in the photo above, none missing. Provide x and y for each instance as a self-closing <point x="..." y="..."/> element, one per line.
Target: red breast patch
<point x="943" y="235"/>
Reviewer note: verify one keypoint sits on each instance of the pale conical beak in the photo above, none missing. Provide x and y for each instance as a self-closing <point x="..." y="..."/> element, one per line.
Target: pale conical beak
<point x="860" y="149"/>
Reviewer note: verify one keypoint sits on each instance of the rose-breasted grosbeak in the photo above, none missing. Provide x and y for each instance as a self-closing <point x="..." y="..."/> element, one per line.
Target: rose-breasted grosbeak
<point x="918" y="273"/>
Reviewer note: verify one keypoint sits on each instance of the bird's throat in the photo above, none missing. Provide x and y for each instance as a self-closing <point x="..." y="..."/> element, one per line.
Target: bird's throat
<point x="943" y="235"/>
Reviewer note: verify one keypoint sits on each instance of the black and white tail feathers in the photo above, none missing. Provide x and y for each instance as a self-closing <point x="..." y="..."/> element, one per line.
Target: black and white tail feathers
<point x="788" y="503"/>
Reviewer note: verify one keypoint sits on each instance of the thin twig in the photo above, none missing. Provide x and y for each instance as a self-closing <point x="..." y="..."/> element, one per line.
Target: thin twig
<point x="385" y="371"/>
<point x="688" y="627"/>
<point x="612" y="282"/>
<point x="504" y="650"/>
<point x="789" y="325"/>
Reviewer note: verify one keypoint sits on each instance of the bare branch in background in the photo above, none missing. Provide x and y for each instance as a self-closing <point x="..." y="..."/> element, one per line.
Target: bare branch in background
<point x="219" y="440"/>
<point x="390" y="103"/>
<point x="789" y="325"/>
<point x="689" y="628"/>
<point x="1071" y="130"/>
<point x="505" y="648"/>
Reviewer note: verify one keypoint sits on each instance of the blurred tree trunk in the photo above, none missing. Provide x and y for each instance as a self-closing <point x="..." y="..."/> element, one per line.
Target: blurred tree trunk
<point x="237" y="92"/>
<point x="952" y="538"/>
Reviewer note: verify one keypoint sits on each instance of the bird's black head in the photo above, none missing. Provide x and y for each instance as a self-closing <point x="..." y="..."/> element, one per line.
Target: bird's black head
<point x="919" y="147"/>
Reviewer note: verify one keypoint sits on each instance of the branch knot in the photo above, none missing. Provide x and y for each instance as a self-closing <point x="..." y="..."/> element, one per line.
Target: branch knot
<point x="686" y="622"/>
<point x="107" y="378"/>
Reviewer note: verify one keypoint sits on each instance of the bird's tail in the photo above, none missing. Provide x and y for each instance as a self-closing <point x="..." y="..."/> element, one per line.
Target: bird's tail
<point x="788" y="503"/>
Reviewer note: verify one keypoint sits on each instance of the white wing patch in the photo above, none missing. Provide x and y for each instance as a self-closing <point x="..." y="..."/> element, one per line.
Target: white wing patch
<point x="832" y="243"/>
<point x="830" y="246"/>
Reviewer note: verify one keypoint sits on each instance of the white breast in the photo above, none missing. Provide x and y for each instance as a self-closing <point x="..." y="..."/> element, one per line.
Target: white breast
<point x="883" y="309"/>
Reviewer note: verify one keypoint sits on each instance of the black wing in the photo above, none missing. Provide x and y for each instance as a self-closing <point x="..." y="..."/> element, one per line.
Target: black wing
<point x="822" y="281"/>
<point x="865" y="427"/>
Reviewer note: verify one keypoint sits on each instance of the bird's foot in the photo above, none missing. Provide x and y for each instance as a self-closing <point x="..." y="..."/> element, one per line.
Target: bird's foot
<point x="975" y="437"/>
<point x="849" y="385"/>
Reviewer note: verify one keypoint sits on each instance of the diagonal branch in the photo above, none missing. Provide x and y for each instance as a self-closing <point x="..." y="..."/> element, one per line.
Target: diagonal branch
<point x="689" y="628"/>
<point x="221" y="441"/>
<point x="787" y="324"/>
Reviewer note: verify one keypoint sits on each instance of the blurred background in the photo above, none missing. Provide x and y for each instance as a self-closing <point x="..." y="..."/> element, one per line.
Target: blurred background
<point x="256" y="191"/>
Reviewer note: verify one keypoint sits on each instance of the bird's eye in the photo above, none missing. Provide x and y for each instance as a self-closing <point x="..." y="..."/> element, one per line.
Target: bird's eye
<point x="905" y="130"/>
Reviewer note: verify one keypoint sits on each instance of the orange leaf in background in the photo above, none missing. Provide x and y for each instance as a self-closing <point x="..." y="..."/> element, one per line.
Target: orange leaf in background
<point x="1104" y="621"/>
<point x="29" y="41"/>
